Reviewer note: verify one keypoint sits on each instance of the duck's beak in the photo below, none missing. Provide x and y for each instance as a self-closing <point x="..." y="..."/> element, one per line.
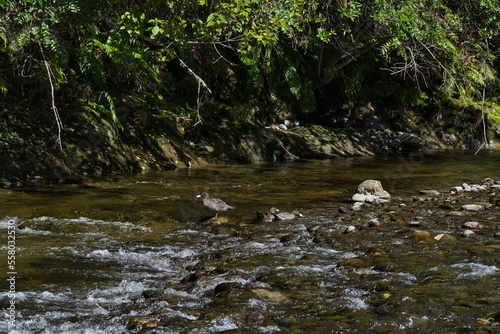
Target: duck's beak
<point x="198" y="196"/>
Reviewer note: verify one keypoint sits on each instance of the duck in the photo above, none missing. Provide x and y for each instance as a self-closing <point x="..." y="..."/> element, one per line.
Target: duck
<point x="214" y="204"/>
<point x="288" y="215"/>
<point x="267" y="217"/>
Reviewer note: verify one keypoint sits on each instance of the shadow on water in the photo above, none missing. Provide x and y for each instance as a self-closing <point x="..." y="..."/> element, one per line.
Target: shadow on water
<point x="134" y="253"/>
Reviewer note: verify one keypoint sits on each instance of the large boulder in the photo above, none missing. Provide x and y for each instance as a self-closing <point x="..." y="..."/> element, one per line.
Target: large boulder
<point x="369" y="191"/>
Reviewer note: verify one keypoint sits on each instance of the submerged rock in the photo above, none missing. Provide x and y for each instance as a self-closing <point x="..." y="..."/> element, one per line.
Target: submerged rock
<point x="430" y="192"/>
<point x="467" y="234"/>
<point x="473" y="225"/>
<point x="369" y="191"/>
<point x="472" y="207"/>
<point x="444" y="237"/>
<point x="420" y="235"/>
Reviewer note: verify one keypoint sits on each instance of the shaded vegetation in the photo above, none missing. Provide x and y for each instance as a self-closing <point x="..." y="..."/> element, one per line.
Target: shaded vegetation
<point x="166" y="67"/>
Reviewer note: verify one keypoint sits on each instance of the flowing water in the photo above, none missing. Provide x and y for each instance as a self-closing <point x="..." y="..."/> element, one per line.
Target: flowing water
<point x="138" y="253"/>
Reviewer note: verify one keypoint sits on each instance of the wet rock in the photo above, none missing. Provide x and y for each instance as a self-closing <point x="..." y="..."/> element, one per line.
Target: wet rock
<point x="467" y="234"/>
<point x="287" y="238"/>
<point x="226" y="289"/>
<point x="472" y="207"/>
<point x="143" y="322"/>
<point x="410" y="141"/>
<point x="309" y="257"/>
<point x="349" y="229"/>
<point x="420" y="235"/>
<point x="194" y="277"/>
<point x="495" y="200"/>
<point x="455" y="214"/>
<point x="374" y="222"/>
<point x="385" y="266"/>
<point x="416" y="224"/>
<point x="227" y="231"/>
<point x="343" y="210"/>
<point x="447" y="206"/>
<point x="369" y="191"/>
<point x="430" y="193"/>
<point x="444" y="237"/>
<point x="352" y="262"/>
<point x="473" y="225"/>
<point x="382" y="201"/>
<point x="358" y="206"/>
<point x="456" y="189"/>
<point x="271" y="295"/>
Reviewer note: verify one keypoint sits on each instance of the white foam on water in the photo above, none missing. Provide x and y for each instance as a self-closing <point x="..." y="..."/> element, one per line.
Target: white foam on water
<point x="152" y="259"/>
<point x="222" y="323"/>
<point x="166" y="198"/>
<point x="355" y="303"/>
<point x="474" y="270"/>
<point x="94" y="222"/>
<point x="269" y="329"/>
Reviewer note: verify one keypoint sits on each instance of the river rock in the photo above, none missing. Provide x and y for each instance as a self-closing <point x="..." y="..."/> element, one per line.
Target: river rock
<point x="369" y="191"/>
<point x="456" y="189"/>
<point x="420" y="235"/>
<point x="353" y="262"/>
<point x="350" y="229"/>
<point x="467" y="234"/>
<point x="454" y="214"/>
<point x="430" y="192"/>
<point x="444" y="237"/>
<point x="495" y="200"/>
<point x="410" y="141"/>
<point x="472" y="207"/>
<point x="374" y="222"/>
<point x="357" y="206"/>
<point x="225" y="289"/>
<point x="473" y="225"/>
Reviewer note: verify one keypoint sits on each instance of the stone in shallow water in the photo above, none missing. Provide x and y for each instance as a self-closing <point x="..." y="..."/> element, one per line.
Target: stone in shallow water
<point x="456" y="189"/>
<point x="467" y="234"/>
<point x="444" y="237"/>
<point x="430" y="192"/>
<point x="420" y="235"/>
<point x="472" y="207"/>
<point x="455" y="214"/>
<point x="473" y="225"/>
<point x="370" y="191"/>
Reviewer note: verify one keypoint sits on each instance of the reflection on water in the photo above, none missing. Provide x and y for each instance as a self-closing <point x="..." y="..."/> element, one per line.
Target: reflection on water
<point x="130" y="253"/>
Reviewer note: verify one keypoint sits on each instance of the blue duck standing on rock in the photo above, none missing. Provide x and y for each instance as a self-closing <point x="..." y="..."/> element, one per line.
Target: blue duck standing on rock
<point x="214" y="204"/>
<point x="267" y="217"/>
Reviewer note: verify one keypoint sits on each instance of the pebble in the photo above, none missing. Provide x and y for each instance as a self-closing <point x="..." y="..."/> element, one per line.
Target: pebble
<point x="456" y="189"/>
<point x="430" y="192"/>
<point x="444" y="237"/>
<point x="373" y="222"/>
<point x="467" y="234"/>
<point x="357" y="206"/>
<point x="455" y="214"/>
<point x="472" y="207"/>
<point x="473" y="225"/>
<point x="349" y="229"/>
<point x="420" y="235"/>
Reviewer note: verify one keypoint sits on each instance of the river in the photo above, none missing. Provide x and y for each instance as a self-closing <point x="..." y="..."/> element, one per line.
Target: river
<point x="138" y="253"/>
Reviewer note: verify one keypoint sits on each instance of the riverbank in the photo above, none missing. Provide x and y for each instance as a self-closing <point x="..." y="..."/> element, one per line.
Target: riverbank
<point x="94" y="145"/>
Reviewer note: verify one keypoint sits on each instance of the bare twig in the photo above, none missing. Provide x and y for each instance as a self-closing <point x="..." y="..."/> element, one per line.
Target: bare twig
<point x="200" y="80"/>
<point x="485" y="141"/>
<point x="54" y="108"/>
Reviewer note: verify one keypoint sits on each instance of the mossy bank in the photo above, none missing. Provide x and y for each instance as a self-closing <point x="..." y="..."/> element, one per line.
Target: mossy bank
<point x="94" y="145"/>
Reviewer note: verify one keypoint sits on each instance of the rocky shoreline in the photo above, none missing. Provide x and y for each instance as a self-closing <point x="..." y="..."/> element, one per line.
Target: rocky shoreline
<point x="93" y="155"/>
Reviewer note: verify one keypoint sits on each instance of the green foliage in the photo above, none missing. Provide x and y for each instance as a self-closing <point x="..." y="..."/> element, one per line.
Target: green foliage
<point x="272" y="56"/>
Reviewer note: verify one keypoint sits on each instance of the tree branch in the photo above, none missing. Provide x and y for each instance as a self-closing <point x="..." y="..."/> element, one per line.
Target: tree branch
<point x="54" y="108"/>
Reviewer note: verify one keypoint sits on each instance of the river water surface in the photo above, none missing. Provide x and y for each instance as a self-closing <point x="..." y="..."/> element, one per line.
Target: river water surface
<point x="137" y="254"/>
